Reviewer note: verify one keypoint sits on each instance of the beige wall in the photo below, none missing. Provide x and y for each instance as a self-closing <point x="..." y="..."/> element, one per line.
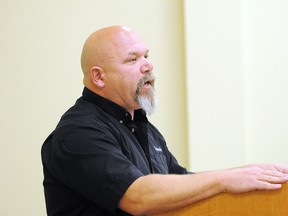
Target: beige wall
<point x="214" y="77"/>
<point x="236" y="54"/>
<point x="236" y="59"/>
<point x="40" y="45"/>
<point x="265" y="70"/>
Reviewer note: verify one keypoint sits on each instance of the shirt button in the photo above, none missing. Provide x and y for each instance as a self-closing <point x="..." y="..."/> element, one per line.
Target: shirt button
<point x="133" y="130"/>
<point x="121" y="122"/>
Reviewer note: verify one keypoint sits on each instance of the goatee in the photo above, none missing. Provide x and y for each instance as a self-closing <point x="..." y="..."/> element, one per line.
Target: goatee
<point x="146" y="98"/>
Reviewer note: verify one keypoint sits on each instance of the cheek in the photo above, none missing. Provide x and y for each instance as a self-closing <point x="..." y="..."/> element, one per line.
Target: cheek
<point x="131" y="83"/>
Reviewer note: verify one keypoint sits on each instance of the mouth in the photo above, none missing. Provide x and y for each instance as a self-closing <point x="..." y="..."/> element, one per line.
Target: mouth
<point x="149" y="84"/>
<point x="146" y="83"/>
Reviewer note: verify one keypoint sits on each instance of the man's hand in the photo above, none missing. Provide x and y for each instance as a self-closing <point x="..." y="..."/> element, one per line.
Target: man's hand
<point x="158" y="193"/>
<point x="254" y="177"/>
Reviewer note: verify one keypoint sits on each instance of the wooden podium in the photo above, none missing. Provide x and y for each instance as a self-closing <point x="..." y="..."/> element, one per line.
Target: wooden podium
<point x="255" y="203"/>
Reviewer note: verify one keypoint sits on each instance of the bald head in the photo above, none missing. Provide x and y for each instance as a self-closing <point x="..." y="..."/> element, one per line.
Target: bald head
<point x="115" y="66"/>
<point x="99" y="46"/>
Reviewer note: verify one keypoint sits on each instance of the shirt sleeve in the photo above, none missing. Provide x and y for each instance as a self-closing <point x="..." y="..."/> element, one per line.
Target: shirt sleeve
<point x="90" y="161"/>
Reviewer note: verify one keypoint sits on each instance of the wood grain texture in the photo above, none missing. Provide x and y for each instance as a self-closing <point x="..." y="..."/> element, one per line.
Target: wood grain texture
<point x="255" y="203"/>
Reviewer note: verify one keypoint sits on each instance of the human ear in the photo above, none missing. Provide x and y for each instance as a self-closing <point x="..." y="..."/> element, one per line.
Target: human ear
<point x="97" y="76"/>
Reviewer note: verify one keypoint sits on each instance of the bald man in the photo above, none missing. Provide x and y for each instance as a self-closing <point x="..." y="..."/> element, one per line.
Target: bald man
<point x="105" y="157"/>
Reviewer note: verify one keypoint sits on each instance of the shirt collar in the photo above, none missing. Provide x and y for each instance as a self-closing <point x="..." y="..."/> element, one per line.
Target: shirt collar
<point x="112" y="108"/>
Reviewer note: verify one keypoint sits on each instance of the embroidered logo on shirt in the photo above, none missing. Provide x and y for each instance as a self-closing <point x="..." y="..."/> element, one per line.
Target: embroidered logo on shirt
<point x="158" y="149"/>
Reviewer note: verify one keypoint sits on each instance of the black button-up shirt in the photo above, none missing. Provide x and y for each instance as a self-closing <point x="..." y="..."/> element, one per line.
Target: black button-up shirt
<point x="95" y="153"/>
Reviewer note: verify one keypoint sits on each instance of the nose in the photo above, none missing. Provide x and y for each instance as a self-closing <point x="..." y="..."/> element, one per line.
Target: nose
<point x="147" y="67"/>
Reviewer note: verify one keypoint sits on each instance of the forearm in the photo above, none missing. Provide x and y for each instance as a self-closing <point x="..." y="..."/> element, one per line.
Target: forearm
<point x="159" y="193"/>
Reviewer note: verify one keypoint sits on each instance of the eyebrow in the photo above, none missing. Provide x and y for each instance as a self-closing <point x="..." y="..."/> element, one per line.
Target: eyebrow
<point x="135" y="53"/>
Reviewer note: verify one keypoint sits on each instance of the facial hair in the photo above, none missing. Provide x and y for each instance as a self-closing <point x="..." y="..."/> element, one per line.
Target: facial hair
<point x="146" y="98"/>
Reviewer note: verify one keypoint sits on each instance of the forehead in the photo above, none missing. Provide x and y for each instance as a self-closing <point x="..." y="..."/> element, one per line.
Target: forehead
<point x="130" y="43"/>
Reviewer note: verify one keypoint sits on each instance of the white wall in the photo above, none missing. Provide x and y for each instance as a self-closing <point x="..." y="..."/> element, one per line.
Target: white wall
<point x="236" y="58"/>
<point x="265" y="61"/>
<point x="41" y="77"/>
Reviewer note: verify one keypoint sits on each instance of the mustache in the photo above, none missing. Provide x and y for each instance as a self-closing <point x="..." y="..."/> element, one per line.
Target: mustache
<point x="150" y="78"/>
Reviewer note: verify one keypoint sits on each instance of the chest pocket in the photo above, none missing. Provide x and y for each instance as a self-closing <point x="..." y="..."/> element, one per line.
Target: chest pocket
<point x="158" y="160"/>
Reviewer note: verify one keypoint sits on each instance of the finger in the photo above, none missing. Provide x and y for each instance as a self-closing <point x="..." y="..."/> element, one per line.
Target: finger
<point x="284" y="169"/>
<point x="268" y="186"/>
<point x="273" y="177"/>
<point x="274" y="173"/>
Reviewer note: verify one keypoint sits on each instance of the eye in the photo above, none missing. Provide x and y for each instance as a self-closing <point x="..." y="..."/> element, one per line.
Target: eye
<point x="132" y="58"/>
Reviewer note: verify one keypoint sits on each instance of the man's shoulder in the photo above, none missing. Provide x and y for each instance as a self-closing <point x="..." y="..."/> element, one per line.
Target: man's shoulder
<point x="83" y="109"/>
<point x="83" y="114"/>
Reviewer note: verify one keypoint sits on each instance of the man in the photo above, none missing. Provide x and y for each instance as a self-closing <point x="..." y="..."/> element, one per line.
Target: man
<point x="106" y="158"/>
